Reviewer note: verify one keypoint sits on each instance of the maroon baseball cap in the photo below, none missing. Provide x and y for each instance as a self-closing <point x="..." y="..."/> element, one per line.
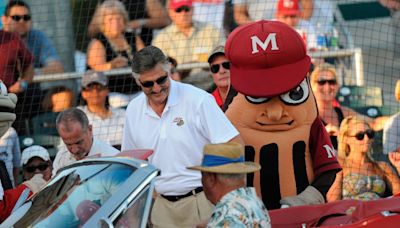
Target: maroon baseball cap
<point x="267" y="58"/>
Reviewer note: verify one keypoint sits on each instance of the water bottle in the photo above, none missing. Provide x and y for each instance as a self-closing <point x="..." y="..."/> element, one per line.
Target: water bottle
<point x="321" y="38"/>
<point x="333" y="39"/>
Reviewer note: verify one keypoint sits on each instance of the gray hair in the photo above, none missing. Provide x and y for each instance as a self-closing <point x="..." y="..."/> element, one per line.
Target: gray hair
<point x="146" y="59"/>
<point x="102" y="10"/>
<point x="231" y="179"/>
<point x="72" y="115"/>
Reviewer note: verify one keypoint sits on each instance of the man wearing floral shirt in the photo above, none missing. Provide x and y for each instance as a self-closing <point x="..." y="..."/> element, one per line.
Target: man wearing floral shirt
<point x="224" y="182"/>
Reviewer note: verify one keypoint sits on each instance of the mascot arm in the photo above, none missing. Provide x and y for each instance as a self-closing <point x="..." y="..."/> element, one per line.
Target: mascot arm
<point x="313" y="194"/>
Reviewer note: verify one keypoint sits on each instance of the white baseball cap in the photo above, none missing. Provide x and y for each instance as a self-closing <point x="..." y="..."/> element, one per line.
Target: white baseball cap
<point x="34" y="151"/>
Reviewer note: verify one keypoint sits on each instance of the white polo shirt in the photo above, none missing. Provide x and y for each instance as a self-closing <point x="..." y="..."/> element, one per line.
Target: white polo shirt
<point x="64" y="157"/>
<point x="190" y="120"/>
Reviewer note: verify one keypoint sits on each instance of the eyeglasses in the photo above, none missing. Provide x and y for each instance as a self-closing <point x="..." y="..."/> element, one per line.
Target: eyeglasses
<point x="183" y="8"/>
<point x="160" y="81"/>
<point x="17" y="18"/>
<point x="329" y="81"/>
<point x="215" y="67"/>
<point x="360" y="135"/>
<point x="42" y="167"/>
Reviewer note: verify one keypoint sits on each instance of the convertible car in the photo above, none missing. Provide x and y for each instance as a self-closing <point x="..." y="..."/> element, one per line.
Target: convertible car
<point x="95" y="192"/>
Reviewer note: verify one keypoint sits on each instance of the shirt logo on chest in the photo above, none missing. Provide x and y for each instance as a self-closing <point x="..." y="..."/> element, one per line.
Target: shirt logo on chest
<point x="179" y="121"/>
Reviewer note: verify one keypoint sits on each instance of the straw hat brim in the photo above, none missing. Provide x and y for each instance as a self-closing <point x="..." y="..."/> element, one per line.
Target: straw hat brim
<point x="232" y="168"/>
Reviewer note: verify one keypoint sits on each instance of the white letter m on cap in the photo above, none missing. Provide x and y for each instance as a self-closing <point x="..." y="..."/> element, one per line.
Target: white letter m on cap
<point x="271" y="38"/>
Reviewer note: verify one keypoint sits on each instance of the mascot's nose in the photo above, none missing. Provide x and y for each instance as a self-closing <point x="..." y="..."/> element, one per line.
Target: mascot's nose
<point x="274" y="109"/>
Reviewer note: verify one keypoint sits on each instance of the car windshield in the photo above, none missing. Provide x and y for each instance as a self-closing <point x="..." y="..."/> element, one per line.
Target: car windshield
<point x="72" y="197"/>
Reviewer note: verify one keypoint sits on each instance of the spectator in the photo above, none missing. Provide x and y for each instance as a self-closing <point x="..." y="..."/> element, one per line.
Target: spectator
<point x="361" y="177"/>
<point x="36" y="160"/>
<point x="391" y="135"/>
<point x="394" y="7"/>
<point x="325" y="85"/>
<point x="175" y="75"/>
<point x="288" y="12"/>
<point x="58" y="99"/>
<point x="77" y="135"/>
<point x="144" y="15"/>
<point x="223" y="171"/>
<point x="108" y="123"/>
<point x="192" y="40"/>
<point x="16" y="69"/>
<point x="17" y="19"/>
<point x="246" y="11"/>
<point x="10" y="154"/>
<point x="219" y="67"/>
<point x="175" y="120"/>
<point x="113" y="47"/>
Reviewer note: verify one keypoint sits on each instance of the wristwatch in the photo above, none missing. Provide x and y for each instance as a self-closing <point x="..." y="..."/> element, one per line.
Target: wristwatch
<point x="23" y="84"/>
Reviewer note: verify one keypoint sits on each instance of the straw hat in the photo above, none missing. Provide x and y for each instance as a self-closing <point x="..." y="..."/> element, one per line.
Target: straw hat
<point x="226" y="158"/>
<point x="397" y="90"/>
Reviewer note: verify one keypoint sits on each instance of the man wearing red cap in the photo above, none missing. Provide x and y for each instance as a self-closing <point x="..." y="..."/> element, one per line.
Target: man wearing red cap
<point x="187" y="40"/>
<point x="289" y="12"/>
<point x="277" y="117"/>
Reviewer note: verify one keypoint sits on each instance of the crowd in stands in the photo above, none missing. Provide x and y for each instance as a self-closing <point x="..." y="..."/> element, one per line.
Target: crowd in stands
<point x="133" y="34"/>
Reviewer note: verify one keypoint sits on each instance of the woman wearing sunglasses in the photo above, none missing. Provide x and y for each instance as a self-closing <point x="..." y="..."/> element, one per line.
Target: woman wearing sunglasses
<point x="361" y="177"/>
<point x="325" y="85"/>
<point x="36" y="160"/>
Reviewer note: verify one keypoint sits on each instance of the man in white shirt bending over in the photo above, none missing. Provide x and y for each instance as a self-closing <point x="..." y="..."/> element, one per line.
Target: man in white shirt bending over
<point x="77" y="134"/>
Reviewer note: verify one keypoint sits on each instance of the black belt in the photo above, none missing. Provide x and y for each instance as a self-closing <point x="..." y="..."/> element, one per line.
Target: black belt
<point x="176" y="198"/>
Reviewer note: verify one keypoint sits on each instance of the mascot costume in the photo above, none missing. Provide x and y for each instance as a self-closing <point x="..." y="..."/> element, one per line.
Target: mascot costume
<point x="277" y="117"/>
<point x="8" y="198"/>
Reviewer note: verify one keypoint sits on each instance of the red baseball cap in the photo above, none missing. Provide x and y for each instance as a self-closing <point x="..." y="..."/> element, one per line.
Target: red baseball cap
<point x="288" y="7"/>
<point x="175" y="4"/>
<point x="268" y="58"/>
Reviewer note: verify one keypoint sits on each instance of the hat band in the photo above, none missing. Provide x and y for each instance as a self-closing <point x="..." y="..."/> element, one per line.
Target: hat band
<point x="213" y="160"/>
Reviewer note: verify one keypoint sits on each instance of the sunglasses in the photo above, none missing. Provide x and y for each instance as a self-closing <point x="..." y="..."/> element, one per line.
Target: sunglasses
<point x="360" y="135"/>
<point x="42" y="167"/>
<point x="183" y="8"/>
<point x="330" y="82"/>
<point x="160" y="81"/>
<point x="215" y="67"/>
<point x="17" y="18"/>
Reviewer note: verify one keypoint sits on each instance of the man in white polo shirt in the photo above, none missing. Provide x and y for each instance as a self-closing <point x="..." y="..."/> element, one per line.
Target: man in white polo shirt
<point x="77" y="134"/>
<point x="175" y="120"/>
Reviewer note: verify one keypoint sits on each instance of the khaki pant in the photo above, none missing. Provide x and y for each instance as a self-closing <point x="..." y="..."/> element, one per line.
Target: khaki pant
<point x="186" y="212"/>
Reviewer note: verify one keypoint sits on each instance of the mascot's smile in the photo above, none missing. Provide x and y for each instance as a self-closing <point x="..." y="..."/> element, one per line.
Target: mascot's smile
<point x="274" y="124"/>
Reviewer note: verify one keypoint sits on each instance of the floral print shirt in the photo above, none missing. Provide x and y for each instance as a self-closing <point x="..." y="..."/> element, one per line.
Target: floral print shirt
<point x="240" y="208"/>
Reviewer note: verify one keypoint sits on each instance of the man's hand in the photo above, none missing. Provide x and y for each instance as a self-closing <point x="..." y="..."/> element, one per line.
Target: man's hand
<point x="309" y="196"/>
<point x="16" y="88"/>
<point x="394" y="158"/>
<point x="36" y="183"/>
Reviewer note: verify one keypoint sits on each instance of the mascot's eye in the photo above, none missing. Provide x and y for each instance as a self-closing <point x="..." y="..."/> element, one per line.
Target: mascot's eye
<point x="297" y="95"/>
<point x="3" y="89"/>
<point x="257" y="100"/>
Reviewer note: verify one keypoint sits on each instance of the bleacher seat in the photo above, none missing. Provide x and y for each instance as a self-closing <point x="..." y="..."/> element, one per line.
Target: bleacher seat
<point x="44" y="124"/>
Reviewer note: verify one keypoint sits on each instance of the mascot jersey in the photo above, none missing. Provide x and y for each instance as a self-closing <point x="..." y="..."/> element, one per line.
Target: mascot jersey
<point x="276" y="113"/>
